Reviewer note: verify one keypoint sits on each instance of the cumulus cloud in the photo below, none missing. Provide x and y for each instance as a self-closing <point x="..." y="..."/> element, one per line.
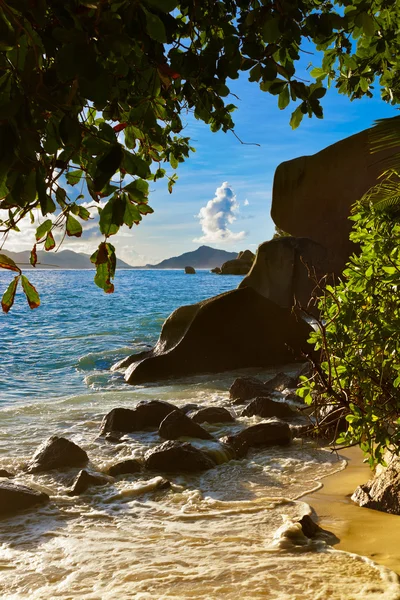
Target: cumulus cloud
<point x="216" y="216"/>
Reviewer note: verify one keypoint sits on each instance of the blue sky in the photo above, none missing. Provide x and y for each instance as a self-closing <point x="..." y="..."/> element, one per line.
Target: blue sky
<point x="175" y="226"/>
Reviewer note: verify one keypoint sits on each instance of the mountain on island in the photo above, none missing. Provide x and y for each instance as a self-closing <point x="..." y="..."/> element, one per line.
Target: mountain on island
<point x="202" y="258"/>
<point x="66" y="259"/>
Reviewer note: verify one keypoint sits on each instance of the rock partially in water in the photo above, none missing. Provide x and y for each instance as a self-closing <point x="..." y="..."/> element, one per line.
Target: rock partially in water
<point x="237" y="329"/>
<point x="177" y="424"/>
<point x="15" y="497"/>
<point x="280" y="382"/>
<point x="177" y="457"/>
<point x="247" y="388"/>
<point x="5" y="473"/>
<point x="57" y="453"/>
<point x="265" y="407"/>
<point x="125" y="467"/>
<point x="216" y="270"/>
<point x="190" y="271"/>
<point x="212" y="414"/>
<point x="270" y="433"/>
<point x="84" y="480"/>
<point x="145" y="414"/>
<point x="188" y="408"/>
<point x="382" y="492"/>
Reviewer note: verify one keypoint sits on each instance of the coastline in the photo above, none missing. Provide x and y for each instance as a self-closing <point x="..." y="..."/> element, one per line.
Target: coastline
<point x="361" y="531"/>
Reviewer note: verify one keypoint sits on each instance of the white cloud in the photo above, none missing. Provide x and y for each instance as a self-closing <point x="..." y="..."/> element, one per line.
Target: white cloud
<point x="217" y="215"/>
<point x="246" y="202"/>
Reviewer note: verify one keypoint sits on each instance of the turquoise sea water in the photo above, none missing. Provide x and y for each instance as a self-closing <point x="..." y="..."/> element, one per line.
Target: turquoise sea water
<point x="67" y="345"/>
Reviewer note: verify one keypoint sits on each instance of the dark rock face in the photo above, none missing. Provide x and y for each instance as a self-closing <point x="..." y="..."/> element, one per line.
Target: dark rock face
<point x="187" y="408"/>
<point x="237" y="329"/>
<point x="240" y="265"/>
<point x="266" y="407"/>
<point x="84" y="480"/>
<point x="281" y="270"/>
<point x="145" y="414"/>
<point x="212" y="414"/>
<point x="5" y="473"/>
<point x="125" y="467"/>
<point x="15" y="497"/>
<point x="246" y="388"/>
<point x="280" y="382"/>
<point x="272" y="433"/>
<point x="177" y="457"/>
<point x="312" y="195"/>
<point x="216" y="270"/>
<point x="190" y="270"/>
<point x="382" y="492"/>
<point x="176" y="425"/>
<point x="57" y="453"/>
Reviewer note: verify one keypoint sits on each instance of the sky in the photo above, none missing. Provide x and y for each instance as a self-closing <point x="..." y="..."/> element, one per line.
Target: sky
<point x="223" y="194"/>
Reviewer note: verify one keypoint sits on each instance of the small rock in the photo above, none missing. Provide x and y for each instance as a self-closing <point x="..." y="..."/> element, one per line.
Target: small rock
<point x="216" y="270"/>
<point x="280" y="382"/>
<point x="14" y="497"/>
<point x="84" y="480"/>
<point x="247" y="388"/>
<point x="145" y="414"/>
<point x="187" y="408"/>
<point x="176" y="425"/>
<point x="212" y="414"/>
<point x="266" y="407"/>
<point x="382" y="492"/>
<point x="309" y="527"/>
<point x="177" y="457"/>
<point x="57" y="453"/>
<point x="125" y="467"/>
<point x="190" y="270"/>
<point x="270" y="433"/>
<point x="5" y="473"/>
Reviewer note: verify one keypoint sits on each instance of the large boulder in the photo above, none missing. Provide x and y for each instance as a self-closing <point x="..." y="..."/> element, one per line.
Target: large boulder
<point x="212" y="414"/>
<point x="247" y="388"/>
<point x="382" y="492"/>
<point x="147" y="413"/>
<point x="237" y="329"/>
<point x="281" y="381"/>
<point x="266" y="407"/>
<point x="177" y="457"/>
<point x="84" y="480"/>
<point x="14" y="497"/>
<point x="281" y="270"/>
<point x="57" y="453"/>
<point x="177" y="424"/>
<point x="312" y="195"/>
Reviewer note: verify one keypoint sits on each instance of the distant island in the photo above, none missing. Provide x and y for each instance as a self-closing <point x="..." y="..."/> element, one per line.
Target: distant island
<point x="202" y="258"/>
<point x="66" y="259"/>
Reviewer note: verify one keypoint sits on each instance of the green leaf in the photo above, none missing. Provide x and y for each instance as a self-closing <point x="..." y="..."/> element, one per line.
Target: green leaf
<point x="145" y="209"/>
<point x="30" y="292"/>
<point x="155" y="27"/>
<point x="73" y="177"/>
<point x="173" y="161"/>
<point x="42" y="230"/>
<point x="132" y="215"/>
<point x="106" y="166"/>
<point x="270" y="31"/>
<point x="8" y="297"/>
<point x="8" y="263"/>
<point x="284" y="98"/>
<point x="73" y="227"/>
<point x="105" y="260"/>
<point x="296" y="117"/>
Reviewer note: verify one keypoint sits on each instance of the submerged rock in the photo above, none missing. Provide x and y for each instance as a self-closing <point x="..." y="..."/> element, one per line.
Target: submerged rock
<point x="177" y="457"/>
<point x="177" y="424"/>
<point x="15" y="497"/>
<point x="247" y="388"/>
<point x="145" y="414"/>
<point x="125" y="467"/>
<point x="190" y="271"/>
<point x="271" y="433"/>
<point x="212" y="414"/>
<point x="265" y="407"/>
<point x="57" y="453"/>
<point x="5" y="473"/>
<point x="84" y="480"/>
<point x="237" y="329"/>
<point x="382" y="492"/>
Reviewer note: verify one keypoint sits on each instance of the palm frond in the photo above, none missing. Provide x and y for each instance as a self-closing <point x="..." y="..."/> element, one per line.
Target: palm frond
<point x="385" y="195"/>
<point x="383" y="136"/>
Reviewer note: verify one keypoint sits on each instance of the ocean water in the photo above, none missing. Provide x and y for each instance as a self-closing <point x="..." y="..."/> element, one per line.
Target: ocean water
<point x="230" y="533"/>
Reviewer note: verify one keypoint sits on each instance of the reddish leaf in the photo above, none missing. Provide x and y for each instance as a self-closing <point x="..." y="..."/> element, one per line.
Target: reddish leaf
<point x="120" y="127"/>
<point x="8" y="263"/>
<point x="50" y="242"/>
<point x="8" y="297"/>
<point x="165" y="69"/>
<point x="30" y="292"/>
<point x="33" y="256"/>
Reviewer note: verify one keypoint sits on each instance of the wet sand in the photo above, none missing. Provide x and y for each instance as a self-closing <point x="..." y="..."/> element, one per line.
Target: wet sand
<point x="363" y="531"/>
